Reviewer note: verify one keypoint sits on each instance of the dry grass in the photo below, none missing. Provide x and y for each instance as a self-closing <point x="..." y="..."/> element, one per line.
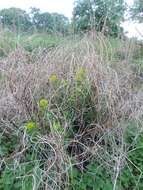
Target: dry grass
<point x="112" y="92"/>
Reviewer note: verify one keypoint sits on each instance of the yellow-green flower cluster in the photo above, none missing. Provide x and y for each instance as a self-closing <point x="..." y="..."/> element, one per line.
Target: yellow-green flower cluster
<point x="53" y="78"/>
<point x="30" y="125"/>
<point x="57" y="127"/>
<point x="43" y="103"/>
<point x="81" y="74"/>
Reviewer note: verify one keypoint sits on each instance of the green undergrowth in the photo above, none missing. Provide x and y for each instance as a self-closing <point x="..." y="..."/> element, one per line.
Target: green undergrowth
<point x="28" y="173"/>
<point x="10" y="41"/>
<point x="111" y="49"/>
<point x="96" y="176"/>
<point x="40" y="41"/>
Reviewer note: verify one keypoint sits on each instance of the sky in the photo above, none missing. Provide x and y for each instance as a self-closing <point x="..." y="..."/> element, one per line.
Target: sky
<point x="61" y="6"/>
<point x="133" y="29"/>
<point x="65" y="7"/>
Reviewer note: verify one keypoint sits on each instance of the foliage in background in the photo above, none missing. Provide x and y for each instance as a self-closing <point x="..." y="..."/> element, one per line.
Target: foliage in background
<point x="137" y="11"/>
<point x="100" y="15"/>
<point x="19" y="21"/>
<point x="15" y="19"/>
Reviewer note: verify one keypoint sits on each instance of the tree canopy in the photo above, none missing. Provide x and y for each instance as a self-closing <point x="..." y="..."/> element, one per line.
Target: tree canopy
<point x="15" y="19"/>
<point x="18" y="20"/>
<point x="137" y="10"/>
<point x="102" y="15"/>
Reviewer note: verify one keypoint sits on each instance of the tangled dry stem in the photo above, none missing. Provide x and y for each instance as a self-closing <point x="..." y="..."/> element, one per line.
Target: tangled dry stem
<point x="25" y="79"/>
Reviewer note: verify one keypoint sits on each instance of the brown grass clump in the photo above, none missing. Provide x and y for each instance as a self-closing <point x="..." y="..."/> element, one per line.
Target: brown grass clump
<point x="89" y="99"/>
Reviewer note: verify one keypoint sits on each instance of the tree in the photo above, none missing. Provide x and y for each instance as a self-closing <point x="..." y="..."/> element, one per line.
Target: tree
<point x="50" y="22"/>
<point x="60" y="23"/>
<point x="34" y="14"/>
<point x="101" y="15"/>
<point x="42" y="21"/>
<point x="15" y="19"/>
<point x="137" y="11"/>
<point x="18" y="20"/>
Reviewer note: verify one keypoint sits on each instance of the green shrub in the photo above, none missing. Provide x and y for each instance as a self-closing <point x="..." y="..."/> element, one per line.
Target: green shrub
<point x="94" y="178"/>
<point x="132" y="174"/>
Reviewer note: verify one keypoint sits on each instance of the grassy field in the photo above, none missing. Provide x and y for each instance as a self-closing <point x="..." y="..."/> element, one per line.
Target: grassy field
<point x="70" y="113"/>
<point x="10" y="41"/>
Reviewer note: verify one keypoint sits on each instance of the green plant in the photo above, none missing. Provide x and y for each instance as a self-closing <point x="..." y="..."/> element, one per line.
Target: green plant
<point x="16" y="178"/>
<point x="93" y="178"/>
<point x="132" y="174"/>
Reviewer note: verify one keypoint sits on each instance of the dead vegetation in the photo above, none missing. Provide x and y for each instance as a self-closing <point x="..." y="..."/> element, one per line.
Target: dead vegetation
<point x="94" y="110"/>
